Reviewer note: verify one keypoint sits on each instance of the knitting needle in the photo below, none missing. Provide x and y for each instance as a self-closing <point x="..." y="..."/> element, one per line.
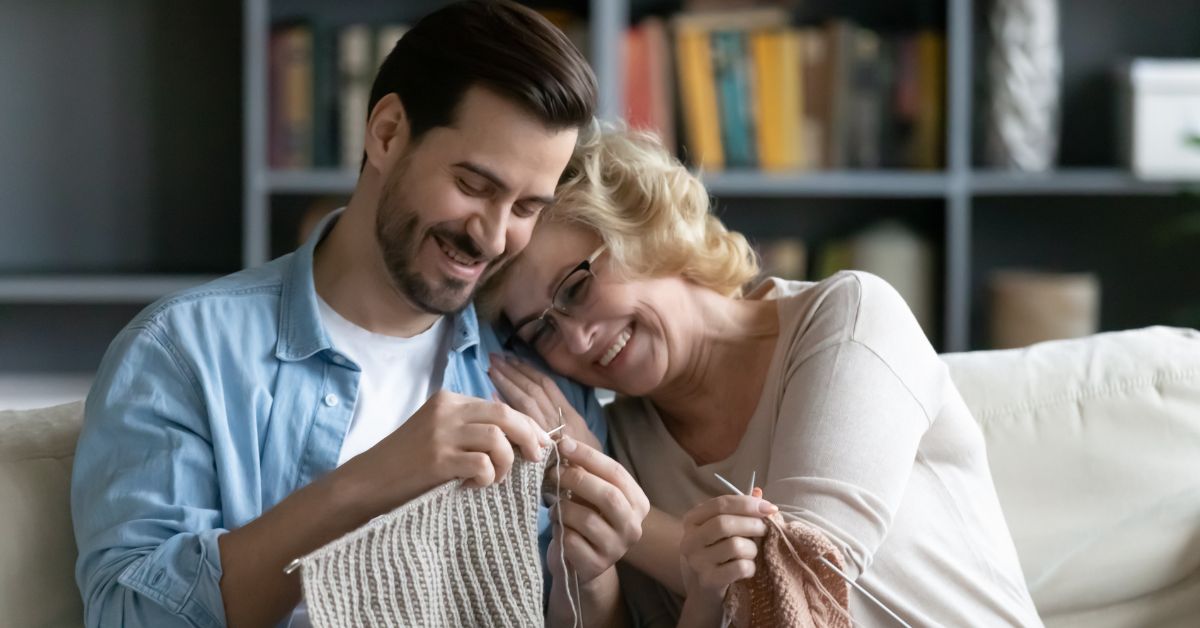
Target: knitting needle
<point x="753" y="477"/>
<point x="555" y="429"/>
<point x="833" y="567"/>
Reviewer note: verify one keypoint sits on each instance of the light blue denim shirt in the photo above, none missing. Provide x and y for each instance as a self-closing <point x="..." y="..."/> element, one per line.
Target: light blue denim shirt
<point x="209" y="408"/>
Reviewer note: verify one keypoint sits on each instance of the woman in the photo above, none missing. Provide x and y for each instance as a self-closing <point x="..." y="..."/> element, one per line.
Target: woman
<point x="828" y="391"/>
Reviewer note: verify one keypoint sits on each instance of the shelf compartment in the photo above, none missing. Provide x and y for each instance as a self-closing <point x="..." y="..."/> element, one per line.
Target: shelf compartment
<point x="1073" y="182"/>
<point x="76" y="289"/>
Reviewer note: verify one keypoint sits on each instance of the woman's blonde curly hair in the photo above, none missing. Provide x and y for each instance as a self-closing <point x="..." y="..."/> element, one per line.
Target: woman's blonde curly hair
<point x="652" y="214"/>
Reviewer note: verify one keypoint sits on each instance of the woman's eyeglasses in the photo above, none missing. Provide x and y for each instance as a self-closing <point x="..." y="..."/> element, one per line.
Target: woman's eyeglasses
<point x="571" y="294"/>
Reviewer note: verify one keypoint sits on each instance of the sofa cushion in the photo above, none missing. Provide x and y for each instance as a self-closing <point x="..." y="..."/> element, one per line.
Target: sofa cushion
<point x="37" y="545"/>
<point x="1094" y="445"/>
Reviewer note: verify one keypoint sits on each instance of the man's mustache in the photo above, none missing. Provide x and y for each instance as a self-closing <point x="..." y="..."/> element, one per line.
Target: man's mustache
<point x="461" y="241"/>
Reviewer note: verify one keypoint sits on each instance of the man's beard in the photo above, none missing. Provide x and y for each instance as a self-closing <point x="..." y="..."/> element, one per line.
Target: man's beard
<point x="397" y="232"/>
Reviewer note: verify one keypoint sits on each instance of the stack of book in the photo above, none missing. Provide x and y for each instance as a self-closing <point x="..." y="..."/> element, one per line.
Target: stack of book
<point x="320" y="78"/>
<point x="320" y="87"/>
<point x="758" y="93"/>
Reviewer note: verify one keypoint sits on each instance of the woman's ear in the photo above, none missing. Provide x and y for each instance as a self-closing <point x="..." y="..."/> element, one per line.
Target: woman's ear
<point x="387" y="132"/>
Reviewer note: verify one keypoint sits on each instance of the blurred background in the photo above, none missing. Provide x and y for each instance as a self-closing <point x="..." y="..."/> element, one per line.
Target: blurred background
<point x="1020" y="170"/>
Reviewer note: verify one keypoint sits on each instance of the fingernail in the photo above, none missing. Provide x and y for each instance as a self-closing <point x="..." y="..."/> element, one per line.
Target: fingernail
<point x="767" y="508"/>
<point x="566" y="444"/>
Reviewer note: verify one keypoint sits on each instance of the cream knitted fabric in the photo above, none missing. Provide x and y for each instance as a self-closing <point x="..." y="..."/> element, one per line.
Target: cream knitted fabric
<point x="451" y="557"/>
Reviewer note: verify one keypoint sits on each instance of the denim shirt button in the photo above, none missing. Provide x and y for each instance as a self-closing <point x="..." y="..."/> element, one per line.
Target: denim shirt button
<point x="331" y="400"/>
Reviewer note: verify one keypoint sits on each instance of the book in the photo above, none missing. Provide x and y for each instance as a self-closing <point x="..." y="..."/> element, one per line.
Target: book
<point x="867" y="103"/>
<point x="649" y="98"/>
<point x="929" y="125"/>
<point x="776" y="55"/>
<point x="699" y="99"/>
<point x="291" y="93"/>
<point x="325" y="97"/>
<point x="356" y="69"/>
<point x="735" y="92"/>
<point x="658" y="49"/>
<point x="731" y="19"/>
<point x="818" y="98"/>
<point x="840" y="35"/>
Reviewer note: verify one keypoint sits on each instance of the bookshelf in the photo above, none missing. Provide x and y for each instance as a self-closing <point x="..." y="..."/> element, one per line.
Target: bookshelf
<point x="954" y="206"/>
<point x="169" y="182"/>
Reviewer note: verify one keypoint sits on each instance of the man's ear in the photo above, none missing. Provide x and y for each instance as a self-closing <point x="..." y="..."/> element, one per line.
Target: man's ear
<point x="387" y="132"/>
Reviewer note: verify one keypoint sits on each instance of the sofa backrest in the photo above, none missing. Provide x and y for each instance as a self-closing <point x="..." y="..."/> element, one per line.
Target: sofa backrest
<point x="1094" y="446"/>
<point x="37" y="545"/>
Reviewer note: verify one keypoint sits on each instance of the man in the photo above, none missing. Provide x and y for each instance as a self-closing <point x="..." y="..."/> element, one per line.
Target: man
<point x="242" y="424"/>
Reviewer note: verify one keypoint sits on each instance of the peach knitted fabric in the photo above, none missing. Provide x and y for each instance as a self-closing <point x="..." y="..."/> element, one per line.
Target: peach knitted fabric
<point x="787" y="592"/>
<point x="451" y="557"/>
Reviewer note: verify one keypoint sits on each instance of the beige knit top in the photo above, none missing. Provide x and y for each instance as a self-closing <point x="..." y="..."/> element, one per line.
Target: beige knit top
<point x="861" y="433"/>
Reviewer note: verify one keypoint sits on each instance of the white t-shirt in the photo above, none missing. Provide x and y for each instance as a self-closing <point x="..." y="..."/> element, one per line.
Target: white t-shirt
<point x="398" y="377"/>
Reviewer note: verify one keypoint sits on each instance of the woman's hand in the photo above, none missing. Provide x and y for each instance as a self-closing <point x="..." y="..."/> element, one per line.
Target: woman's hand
<point x="720" y="544"/>
<point x="533" y="393"/>
<point x="601" y="510"/>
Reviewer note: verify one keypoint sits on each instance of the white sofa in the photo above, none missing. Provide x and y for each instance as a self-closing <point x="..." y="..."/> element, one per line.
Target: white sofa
<point x="1094" y="446"/>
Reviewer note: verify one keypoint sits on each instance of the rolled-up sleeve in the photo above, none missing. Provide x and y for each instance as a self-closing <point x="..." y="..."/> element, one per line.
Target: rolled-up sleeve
<point x="144" y="491"/>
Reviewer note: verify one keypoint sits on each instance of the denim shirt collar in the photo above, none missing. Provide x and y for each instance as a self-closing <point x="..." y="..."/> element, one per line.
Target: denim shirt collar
<point x="301" y="332"/>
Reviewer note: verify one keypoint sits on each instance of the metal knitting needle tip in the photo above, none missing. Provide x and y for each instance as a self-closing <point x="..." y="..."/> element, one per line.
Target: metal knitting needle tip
<point x="753" y="477"/>
<point x="729" y="484"/>
<point x="555" y="429"/>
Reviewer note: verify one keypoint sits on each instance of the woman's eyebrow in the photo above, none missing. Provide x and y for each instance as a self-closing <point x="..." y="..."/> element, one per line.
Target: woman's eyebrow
<point x="560" y="277"/>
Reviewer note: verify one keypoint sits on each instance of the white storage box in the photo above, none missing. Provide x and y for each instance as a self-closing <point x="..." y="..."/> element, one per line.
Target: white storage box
<point x="1160" y="118"/>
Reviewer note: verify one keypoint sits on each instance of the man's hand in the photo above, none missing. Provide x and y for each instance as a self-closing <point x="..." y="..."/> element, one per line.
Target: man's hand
<point x="451" y="436"/>
<point x="601" y="509"/>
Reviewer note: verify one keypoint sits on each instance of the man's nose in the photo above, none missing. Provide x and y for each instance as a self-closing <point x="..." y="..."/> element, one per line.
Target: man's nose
<point x="491" y="230"/>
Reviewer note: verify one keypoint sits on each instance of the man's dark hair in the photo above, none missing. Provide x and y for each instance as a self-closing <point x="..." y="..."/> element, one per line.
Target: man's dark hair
<point x="498" y="44"/>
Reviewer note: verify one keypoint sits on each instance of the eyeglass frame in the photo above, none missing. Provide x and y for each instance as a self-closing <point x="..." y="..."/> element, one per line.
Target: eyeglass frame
<point x="585" y="266"/>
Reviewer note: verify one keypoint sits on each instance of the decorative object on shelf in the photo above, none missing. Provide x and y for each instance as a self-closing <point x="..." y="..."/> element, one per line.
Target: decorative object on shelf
<point x="1025" y="68"/>
<point x="786" y="258"/>
<point x="896" y="253"/>
<point x="1160" y="118"/>
<point x="1031" y="307"/>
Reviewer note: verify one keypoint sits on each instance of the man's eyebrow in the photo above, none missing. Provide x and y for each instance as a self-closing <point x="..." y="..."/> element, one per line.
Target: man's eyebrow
<point x="499" y="182"/>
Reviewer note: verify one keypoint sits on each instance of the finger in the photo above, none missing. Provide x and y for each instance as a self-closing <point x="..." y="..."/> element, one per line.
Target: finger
<point x="547" y="387"/>
<point x="533" y="383"/>
<point x="475" y="468"/>
<point x="593" y="527"/>
<point x="729" y="505"/>
<point x="729" y="573"/>
<point x="582" y="557"/>
<point x="515" y="397"/>
<point x="490" y="440"/>
<point x="725" y="526"/>
<point x="595" y="462"/>
<point x="608" y="500"/>
<point x="719" y="528"/>
<point x="523" y="431"/>
<point x="757" y="492"/>
<point x="735" y="548"/>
